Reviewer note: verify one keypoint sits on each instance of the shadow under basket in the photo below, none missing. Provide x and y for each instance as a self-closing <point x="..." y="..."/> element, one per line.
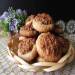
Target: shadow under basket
<point x="44" y="66"/>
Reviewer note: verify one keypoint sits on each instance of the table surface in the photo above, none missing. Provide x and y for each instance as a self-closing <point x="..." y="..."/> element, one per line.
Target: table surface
<point x="8" y="67"/>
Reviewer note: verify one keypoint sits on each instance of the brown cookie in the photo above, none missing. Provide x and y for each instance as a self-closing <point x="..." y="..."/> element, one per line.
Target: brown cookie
<point x="64" y="44"/>
<point x="48" y="47"/>
<point x="13" y="43"/>
<point x="28" y="31"/>
<point x="42" y="22"/>
<point x="29" y="19"/>
<point x="26" y="49"/>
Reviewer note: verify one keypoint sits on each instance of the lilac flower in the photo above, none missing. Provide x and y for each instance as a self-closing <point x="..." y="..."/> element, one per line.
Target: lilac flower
<point x="19" y="11"/>
<point x="13" y="19"/>
<point x="11" y="27"/>
<point x="11" y="15"/>
<point x="4" y="16"/>
<point x="24" y="12"/>
<point x="11" y="12"/>
<point x="15" y="22"/>
<point x="19" y="20"/>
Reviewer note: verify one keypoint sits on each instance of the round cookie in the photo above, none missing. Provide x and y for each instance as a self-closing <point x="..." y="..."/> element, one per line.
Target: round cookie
<point x="26" y="49"/>
<point x="64" y="44"/>
<point x="28" y="31"/>
<point x="13" y="43"/>
<point x="29" y="19"/>
<point x="48" y="47"/>
<point x="42" y="22"/>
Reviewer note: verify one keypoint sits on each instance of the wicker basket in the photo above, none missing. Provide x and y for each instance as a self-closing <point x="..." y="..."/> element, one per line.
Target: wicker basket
<point x="44" y="66"/>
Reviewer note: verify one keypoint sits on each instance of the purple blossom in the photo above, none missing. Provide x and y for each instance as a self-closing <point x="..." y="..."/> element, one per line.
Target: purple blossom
<point x="15" y="22"/>
<point x="11" y="27"/>
<point x="13" y="18"/>
<point x="24" y="12"/>
<point x="11" y="12"/>
<point x="19" y="11"/>
<point x="4" y="16"/>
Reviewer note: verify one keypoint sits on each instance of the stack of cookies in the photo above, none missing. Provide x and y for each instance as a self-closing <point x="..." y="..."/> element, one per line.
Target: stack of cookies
<point x="38" y="40"/>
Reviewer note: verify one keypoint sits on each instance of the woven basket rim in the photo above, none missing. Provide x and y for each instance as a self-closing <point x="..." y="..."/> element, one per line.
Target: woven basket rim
<point x="44" y="66"/>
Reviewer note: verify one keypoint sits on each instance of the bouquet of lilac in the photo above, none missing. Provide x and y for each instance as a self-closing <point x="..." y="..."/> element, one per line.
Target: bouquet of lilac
<point x="12" y="20"/>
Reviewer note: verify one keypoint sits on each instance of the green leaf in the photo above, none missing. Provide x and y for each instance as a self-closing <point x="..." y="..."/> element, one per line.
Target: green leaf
<point x="4" y="34"/>
<point x="4" y="25"/>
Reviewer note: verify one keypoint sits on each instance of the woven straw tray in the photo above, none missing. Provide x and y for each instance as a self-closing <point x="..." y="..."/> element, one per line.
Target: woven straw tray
<point x="44" y="66"/>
